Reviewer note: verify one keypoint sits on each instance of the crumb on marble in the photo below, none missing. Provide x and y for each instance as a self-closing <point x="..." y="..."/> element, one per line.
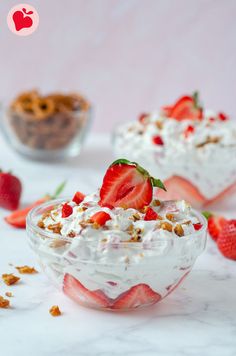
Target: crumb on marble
<point x="26" y="270"/>
<point x="4" y="303"/>
<point x="55" y="311"/>
<point x="9" y="294"/>
<point x="10" y="279"/>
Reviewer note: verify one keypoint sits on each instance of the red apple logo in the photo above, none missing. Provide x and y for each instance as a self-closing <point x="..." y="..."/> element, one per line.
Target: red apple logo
<point x="22" y="21"/>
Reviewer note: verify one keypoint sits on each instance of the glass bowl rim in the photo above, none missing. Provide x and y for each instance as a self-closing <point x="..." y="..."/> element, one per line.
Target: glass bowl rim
<point x="31" y="224"/>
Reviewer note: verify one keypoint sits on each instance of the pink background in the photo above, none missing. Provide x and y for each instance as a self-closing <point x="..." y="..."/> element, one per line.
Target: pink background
<point x="127" y="56"/>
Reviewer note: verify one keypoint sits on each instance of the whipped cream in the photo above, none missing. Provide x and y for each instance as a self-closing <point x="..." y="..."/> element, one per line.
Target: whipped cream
<point x="206" y="156"/>
<point x="126" y="251"/>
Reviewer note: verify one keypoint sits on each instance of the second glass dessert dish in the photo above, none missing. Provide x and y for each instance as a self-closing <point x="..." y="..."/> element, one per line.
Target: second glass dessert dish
<point x="193" y="150"/>
<point x="118" y="248"/>
<point x="49" y="126"/>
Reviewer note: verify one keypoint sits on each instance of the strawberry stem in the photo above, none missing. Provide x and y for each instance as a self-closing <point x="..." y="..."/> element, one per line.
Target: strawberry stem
<point x="207" y="214"/>
<point x="158" y="183"/>
<point x="196" y="101"/>
<point x="58" y="190"/>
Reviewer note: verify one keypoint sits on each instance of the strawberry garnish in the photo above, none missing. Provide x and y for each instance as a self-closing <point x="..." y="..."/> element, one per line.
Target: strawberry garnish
<point x="215" y="224"/>
<point x="127" y="185"/>
<point x="80" y="294"/>
<point x="143" y="118"/>
<point x="141" y="294"/>
<point x="101" y="217"/>
<point x="188" y="131"/>
<point x="226" y="241"/>
<point x="187" y="107"/>
<point x="10" y="191"/>
<point x="18" y="218"/>
<point x="157" y="140"/>
<point x="197" y="226"/>
<point x="78" y="198"/>
<point x="66" y="211"/>
<point x="222" y="116"/>
<point x="150" y="214"/>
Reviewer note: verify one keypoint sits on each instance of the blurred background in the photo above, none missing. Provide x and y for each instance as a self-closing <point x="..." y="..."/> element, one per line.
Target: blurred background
<point x="126" y="56"/>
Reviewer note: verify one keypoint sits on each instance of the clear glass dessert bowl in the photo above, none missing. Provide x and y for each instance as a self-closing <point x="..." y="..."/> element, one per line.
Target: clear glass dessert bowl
<point x="147" y="273"/>
<point x="47" y="127"/>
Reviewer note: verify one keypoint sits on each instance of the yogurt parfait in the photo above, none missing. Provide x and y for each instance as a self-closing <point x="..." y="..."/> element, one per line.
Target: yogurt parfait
<point x="121" y="247"/>
<point x="192" y="149"/>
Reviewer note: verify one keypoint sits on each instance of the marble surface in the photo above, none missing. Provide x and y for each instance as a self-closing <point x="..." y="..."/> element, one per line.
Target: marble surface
<point x="197" y="319"/>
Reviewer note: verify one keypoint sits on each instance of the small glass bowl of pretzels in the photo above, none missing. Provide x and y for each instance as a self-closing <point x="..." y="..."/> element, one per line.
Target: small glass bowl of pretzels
<point x="48" y="127"/>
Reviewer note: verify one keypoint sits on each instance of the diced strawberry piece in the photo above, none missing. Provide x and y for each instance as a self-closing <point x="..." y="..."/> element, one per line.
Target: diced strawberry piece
<point x="197" y="226"/>
<point x="180" y="188"/>
<point x="189" y="130"/>
<point x="150" y="214"/>
<point x="185" y="108"/>
<point x="157" y="140"/>
<point x="143" y="118"/>
<point x="80" y="294"/>
<point x="226" y="241"/>
<point x="78" y="198"/>
<point x="67" y="210"/>
<point x="18" y="217"/>
<point x="215" y="225"/>
<point x="231" y="190"/>
<point x="136" y="296"/>
<point x="10" y="191"/>
<point x="127" y="185"/>
<point x="222" y="116"/>
<point x="101" y="217"/>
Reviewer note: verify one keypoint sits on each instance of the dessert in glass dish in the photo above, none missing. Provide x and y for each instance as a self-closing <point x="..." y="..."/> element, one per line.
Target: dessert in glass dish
<point x="191" y="149"/>
<point x="47" y="126"/>
<point x="118" y="248"/>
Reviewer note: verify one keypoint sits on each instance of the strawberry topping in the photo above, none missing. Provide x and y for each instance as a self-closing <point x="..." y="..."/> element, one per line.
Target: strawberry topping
<point x="157" y="140"/>
<point x="67" y="210"/>
<point x="101" y="217"/>
<point x="197" y="226"/>
<point x="150" y="214"/>
<point x="143" y="118"/>
<point x="222" y="116"/>
<point x="127" y="185"/>
<point x="188" y="131"/>
<point x="78" y="198"/>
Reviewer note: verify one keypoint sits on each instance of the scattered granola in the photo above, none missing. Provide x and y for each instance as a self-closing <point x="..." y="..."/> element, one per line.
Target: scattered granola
<point x="26" y="270"/>
<point x="55" y="311"/>
<point x="9" y="294"/>
<point x="170" y="217"/>
<point x="179" y="230"/>
<point x="4" y="303"/>
<point x="166" y="226"/>
<point x="10" y="279"/>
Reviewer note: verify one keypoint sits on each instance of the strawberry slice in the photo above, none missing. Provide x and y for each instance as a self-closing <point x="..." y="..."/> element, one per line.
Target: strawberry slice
<point x="136" y="296"/>
<point x="80" y="294"/>
<point x="180" y="188"/>
<point x="18" y="218"/>
<point x="78" y="198"/>
<point x="215" y="225"/>
<point x="150" y="214"/>
<point x="187" y="107"/>
<point x="226" y="241"/>
<point x="223" y="195"/>
<point x="127" y="185"/>
<point x="101" y="217"/>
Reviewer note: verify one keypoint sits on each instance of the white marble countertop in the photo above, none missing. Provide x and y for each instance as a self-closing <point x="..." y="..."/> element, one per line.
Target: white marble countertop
<point x="197" y="319"/>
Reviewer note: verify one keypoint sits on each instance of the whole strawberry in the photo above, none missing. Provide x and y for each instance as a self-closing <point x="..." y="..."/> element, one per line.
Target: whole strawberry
<point x="10" y="191"/>
<point x="226" y="241"/>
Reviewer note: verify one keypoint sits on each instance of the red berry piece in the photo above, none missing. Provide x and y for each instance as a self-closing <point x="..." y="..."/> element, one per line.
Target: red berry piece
<point x="189" y="131"/>
<point x="101" y="217"/>
<point x="143" y="118"/>
<point x="226" y="241"/>
<point x="222" y="116"/>
<point x="197" y="226"/>
<point x="215" y="224"/>
<point x="10" y="191"/>
<point x="150" y="214"/>
<point x="157" y="140"/>
<point x="78" y="198"/>
<point x="67" y="210"/>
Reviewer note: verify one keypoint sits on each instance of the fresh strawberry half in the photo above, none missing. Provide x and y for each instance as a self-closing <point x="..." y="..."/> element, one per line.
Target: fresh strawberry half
<point x="18" y="218"/>
<point x="187" y="107"/>
<point x="66" y="211"/>
<point x="10" y="191"/>
<point x="101" y="217"/>
<point x="180" y="188"/>
<point x="80" y="294"/>
<point x="141" y="294"/>
<point x="226" y="241"/>
<point x="127" y="185"/>
<point x="150" y="214"/>
<point x="215" y="224"/>
<point x="78" y="198"/>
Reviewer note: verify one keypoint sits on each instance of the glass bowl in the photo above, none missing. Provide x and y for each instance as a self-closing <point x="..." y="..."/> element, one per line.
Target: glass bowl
<point x="44" y="134"/>
<point x="186" y="175"/>
<point x="148" y="274"/>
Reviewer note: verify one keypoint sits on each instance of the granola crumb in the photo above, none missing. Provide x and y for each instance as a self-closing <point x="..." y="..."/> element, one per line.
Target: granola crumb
<point x="170" y="217"/>
<point x="179" y="230"/>
<point x="56" y="228"/>
<point x="166" y="226"/>
<point x="55" y="311"/>
<point x="10" y="279"/>
<point x="9" y="294"/>
<point x="4" y="303"/>
<point x="26" y="270"/>
<point x="41" y="224"/>
<point x="156" y="202"/>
